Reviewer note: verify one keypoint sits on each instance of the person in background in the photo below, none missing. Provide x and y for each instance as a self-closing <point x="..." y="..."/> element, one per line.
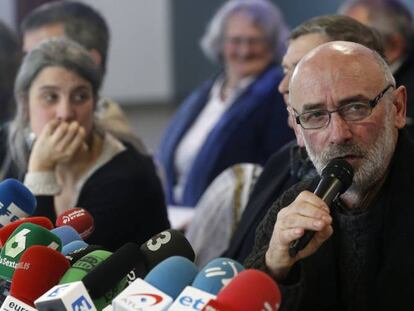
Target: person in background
<point x="10" y="56"/>
<point x="394" y="20"/>
<point x="71" y="160"/>
<point x="86" y="26"/>
<point x="344" y="99"/>
<point x="291" y="164"/>
<point x="236" y="116"/>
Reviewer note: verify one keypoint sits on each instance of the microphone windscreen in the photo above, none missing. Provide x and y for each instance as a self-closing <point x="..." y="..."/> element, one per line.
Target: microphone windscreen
<point x="16" y="201"/>
<point x="164" y="245"/>
<point x="111" y="271"/>
<point x="8" y="229"/>
<point x="250" y="290"/>
<point x="79" y="219"/>
<point x="74" y="256"/>
<point x="74" y="246"/>
<point x="26" y="235"/>
<point x="172" y="275"/>
<point x="340" y="169"/>
<point x="39" y="269"/>
<point x="84" y="265"/>
<point x="217" y="274"/>
<point x="66" y="234"/>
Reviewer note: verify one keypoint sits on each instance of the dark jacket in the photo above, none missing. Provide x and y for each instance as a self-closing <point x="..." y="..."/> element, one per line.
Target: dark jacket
<point x="313" y="282"/>
<point x="253" y="128"/>
<point x="124" y="197"/>
<point x="285" y="168"/>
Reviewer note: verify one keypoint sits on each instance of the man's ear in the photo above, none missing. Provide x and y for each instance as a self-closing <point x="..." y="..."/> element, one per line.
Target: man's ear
<point x="400" y="104"/>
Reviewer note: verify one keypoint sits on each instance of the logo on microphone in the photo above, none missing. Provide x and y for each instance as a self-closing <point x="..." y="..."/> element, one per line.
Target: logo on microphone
<point x="10" y="213"/>
<point x="222" y="271"/>
<point x="136" y="301"/>
<point x="155" y="243"/>
<point x="58" y="290"/>
<point x="81" y="304"/>
<point x="16" y="244"/>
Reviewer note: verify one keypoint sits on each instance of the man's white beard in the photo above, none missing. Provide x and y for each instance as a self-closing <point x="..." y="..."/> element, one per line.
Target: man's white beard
<point x="375" y="159"/>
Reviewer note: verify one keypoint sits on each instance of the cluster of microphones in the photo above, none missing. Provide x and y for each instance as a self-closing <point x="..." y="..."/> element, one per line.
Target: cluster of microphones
<point x="49" y="267"/>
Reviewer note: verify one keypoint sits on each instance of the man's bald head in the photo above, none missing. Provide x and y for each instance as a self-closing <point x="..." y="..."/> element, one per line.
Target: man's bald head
<point x="340" y="60"/>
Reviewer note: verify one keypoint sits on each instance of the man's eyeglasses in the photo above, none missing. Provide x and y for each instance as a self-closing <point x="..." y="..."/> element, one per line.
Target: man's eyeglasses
<point x="354" y="111"/>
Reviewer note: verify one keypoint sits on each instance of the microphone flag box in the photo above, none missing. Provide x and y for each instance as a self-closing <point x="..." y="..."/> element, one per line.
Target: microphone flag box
<point x="141" y="295"/>
<point x="70" y="296"/>
<point x="191" y="298"/>
<point x="13" y="304"/>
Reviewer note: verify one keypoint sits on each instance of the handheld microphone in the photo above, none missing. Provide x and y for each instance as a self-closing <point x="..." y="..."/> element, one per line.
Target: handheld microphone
<point x="16" y="201"/>
<point x="26" y="235"/>
<point x="79" y="219"/>
<point x="66" y="234"/>
<point x="250" y="290"/>
<point x="39" y="269"/>
<point x="8" y="229"/>
<point x="160" y="287"/>
<point x="112" y="270"/>
<point x="84" y="266"/>
<point x="336" y="178"/>
<point x="208" y="282"/>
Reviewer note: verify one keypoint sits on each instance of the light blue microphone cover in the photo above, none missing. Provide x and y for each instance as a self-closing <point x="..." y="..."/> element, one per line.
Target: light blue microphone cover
<point x="172" y="275"/>
<point x="67" y="234"/>
<point x="73" y="246"/>
<point x="217" y="274"/>
<point x="16" y="201"/>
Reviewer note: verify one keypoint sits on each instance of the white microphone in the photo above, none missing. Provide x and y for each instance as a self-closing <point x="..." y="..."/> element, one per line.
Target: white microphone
<point x="140" y="295"/>
<point x="70" y="296"/>
<point x="13" y="304"/>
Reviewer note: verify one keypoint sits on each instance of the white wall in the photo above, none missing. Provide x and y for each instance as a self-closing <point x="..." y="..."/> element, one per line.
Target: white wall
<point x="140" y="60"/>
<point x="7" y="13"/>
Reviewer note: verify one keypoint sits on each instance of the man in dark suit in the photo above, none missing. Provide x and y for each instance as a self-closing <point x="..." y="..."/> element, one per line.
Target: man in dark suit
<point x="291" y="164"/>
<point x="394" y="21"/>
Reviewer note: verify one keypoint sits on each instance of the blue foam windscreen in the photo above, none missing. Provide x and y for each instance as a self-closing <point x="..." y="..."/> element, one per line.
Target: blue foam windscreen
<point x="172" y="275"/>
<point x="217" y="274"/>
<point x="73" y="246"/>
<point x="16" y="201"/>
<point x="67" y="234"/>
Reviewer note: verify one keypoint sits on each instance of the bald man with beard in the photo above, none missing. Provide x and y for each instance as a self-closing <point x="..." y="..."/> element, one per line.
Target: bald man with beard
<point x="345" y="103"/>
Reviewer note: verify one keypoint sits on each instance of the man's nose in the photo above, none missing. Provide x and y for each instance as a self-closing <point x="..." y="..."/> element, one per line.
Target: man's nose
<point x="339" y="130"/>
<point x="283" y="86"/>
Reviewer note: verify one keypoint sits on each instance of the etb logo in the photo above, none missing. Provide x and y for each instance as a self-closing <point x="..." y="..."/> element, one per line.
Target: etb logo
<point x="81" y="304"/>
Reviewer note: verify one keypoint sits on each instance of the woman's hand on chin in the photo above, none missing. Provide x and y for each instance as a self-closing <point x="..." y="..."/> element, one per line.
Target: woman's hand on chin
<point x="57" y="143"/>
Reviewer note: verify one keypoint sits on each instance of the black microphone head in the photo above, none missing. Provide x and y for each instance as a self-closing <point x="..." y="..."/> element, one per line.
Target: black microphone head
<point x="166" y="244"/>
<point x="112" y="270"/>
<point x="340" y="169"/>
<point x="78" y="254"/>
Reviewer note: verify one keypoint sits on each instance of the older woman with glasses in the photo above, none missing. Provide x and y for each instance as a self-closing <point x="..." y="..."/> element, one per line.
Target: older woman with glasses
<point x="67" y="159"/>
<point x="237" y="116"/>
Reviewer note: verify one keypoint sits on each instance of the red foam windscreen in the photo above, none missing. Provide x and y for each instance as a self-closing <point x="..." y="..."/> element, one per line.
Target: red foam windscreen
<point x="8" y="229"/>
<point x="250" y="290"/>
<point x="79" y="219"/>
<point x="39" y="269"/>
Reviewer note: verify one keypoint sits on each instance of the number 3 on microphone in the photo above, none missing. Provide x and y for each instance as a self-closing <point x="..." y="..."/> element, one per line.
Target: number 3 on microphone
<point x="161" y="239"/>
